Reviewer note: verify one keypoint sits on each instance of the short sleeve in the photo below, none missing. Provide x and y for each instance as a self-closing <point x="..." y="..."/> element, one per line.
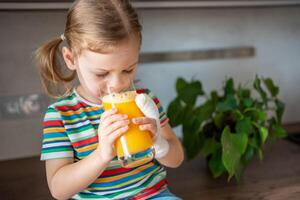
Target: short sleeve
<point x="56" y="143"/>
<point x="162" y="115"/>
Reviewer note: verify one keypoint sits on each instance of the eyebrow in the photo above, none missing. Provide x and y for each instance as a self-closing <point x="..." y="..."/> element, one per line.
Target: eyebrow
<point x="126" y="67"/>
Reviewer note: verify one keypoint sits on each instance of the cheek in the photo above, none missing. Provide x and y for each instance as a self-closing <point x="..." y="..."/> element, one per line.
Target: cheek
<point x="93" y="85"/>
<point x="101" y="89"/>
<point x="128" y="80"/>
<point x="130" y="77"/>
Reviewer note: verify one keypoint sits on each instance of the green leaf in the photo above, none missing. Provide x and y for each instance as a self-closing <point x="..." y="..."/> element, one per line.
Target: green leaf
<point x="253" y="142"/>
<point x="263" y="132"/>
<point x="192" y="144"/>
<point x="192" y="138"/>
<point x="273" y="89"/>
<point x="215" y="164"/>
<point x="175" y="112"/>
<point x="278" y="131"/>
<point x="243" y="126"/>
<point x="190" y="92"/>
<point x="191" y="123"/>
<point x="261" y="116"/>
<point x="248" y="155"/>
<point x="240" y="140"/>
<point x="258" y="88"/>
<point x="229" y="87"/>
<point x="189" y="119"/>
<point x="210" y="146"/>
<point x="259" y="105"/>
<point x="234" y="145"/>
<point x="205" y="111"/>
<point x="214" y="96"/>
<point x="180" y="84"/>
<point x="255" y="114"/>
<point x="279" y="110"/>
<point x="238" y="172"/>
<point x="243" y="93"/>
<point x="247" y="102"/>
<point x="229" y="103"/>
<point x="236" y="115"/>
<point x="260" y="154"/>
<point x="219" y="119"/>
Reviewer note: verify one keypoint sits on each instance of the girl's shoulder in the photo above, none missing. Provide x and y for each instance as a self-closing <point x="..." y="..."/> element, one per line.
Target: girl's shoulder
<point x="146" y="91"/>
<point x="66" y="101"/>
<point x="142" y="90"/>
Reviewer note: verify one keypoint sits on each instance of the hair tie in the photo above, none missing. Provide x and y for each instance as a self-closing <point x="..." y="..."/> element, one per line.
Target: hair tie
<point x="62" y="37"/>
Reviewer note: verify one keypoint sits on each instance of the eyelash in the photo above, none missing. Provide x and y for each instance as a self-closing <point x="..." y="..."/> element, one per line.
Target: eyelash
<point x="126" y="71"/>
<point x="102" y="75"/>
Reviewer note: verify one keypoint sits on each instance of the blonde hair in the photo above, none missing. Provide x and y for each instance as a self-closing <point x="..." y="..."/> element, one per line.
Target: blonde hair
<point x="95" y="25"/>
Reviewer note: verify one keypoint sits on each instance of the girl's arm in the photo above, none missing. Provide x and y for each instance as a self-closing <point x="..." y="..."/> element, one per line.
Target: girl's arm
<point x="175" y="155"/>
<point x="66" y="178"/>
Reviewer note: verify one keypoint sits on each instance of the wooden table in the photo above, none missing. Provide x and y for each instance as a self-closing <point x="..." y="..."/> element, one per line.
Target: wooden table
<point x="276" y="178"/>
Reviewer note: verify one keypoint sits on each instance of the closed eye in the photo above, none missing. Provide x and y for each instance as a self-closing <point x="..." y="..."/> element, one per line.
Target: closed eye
<point x="128" y="71"/>
<point x="102" y="75"/>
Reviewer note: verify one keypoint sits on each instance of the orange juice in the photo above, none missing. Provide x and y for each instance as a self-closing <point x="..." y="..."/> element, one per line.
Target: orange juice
<point x="135" y="146"/>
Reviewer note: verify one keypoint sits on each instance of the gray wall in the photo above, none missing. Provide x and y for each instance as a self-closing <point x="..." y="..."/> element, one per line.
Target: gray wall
<point x="274" y="32"/>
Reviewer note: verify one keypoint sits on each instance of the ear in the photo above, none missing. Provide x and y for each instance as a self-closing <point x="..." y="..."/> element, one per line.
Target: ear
<point x="69" y="58"/>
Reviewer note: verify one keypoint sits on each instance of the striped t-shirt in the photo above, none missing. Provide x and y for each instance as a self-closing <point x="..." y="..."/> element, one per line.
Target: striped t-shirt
<point x="70" y="131"/>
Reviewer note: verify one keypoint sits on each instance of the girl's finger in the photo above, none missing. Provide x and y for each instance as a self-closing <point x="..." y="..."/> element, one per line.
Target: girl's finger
<point x="117" y="133"/>
<point x="113" y="118"/>
<point x="149" y="127"/>
<point x="115" y="126"/>
<point x="143" y="120"/>
<point x="108" y="113"/>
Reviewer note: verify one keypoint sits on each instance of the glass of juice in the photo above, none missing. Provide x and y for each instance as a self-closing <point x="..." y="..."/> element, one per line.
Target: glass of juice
<point x="135" y="147"/>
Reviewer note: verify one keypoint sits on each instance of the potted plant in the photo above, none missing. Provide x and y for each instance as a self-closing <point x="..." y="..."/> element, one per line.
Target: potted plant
<point x="229" y="129"/>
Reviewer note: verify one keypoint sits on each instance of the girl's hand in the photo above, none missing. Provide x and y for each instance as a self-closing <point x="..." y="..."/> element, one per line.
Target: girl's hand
<point x="146" y="123"/>
<point x="161" y="145"/>
<point x="152" y="123"/>
<point x="111" y="127"/>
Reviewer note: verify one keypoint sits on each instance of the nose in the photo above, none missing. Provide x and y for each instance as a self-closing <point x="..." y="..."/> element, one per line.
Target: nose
<point x="115" y="84"/>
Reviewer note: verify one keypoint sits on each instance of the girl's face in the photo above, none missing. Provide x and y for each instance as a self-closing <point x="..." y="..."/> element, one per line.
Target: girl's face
<point x="117" y="69"/>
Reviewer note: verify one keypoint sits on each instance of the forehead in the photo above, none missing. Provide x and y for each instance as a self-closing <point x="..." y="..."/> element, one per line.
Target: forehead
<point x="122" y="56"/>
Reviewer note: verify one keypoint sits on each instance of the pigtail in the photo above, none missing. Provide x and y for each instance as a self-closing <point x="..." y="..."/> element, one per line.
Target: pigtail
<point x="52" y="73"/>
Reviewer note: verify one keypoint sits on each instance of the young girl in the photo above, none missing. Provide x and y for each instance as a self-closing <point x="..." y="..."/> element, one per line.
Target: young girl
<point x="102" y="41"/>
